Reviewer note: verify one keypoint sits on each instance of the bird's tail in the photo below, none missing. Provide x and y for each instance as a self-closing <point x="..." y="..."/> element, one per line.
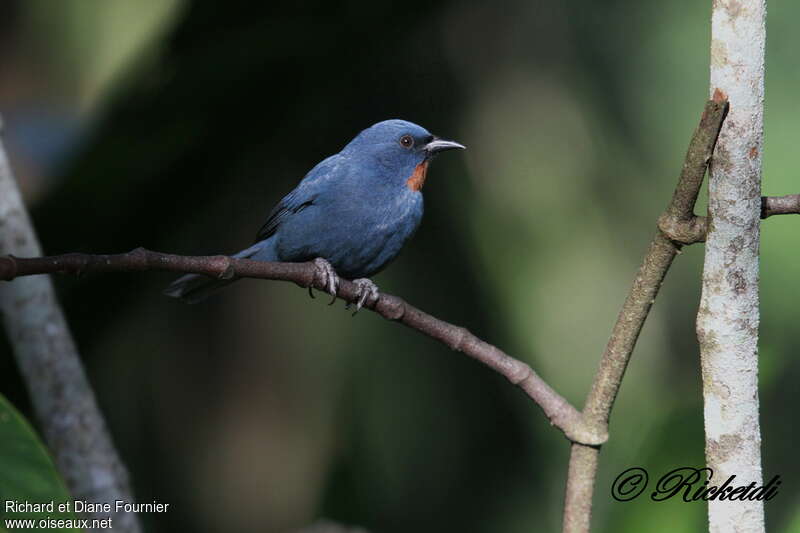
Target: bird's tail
<point x="194" y="288"/>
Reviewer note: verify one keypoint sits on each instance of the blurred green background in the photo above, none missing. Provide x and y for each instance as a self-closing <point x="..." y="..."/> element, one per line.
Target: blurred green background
<point x="176" y="125"/>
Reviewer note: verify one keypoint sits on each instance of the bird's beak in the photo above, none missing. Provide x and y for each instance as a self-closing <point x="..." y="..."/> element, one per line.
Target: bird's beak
<point x="440" y="145"/>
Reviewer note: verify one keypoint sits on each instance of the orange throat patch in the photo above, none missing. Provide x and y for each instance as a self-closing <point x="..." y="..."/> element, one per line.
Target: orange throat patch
<point x="417" y="179"/>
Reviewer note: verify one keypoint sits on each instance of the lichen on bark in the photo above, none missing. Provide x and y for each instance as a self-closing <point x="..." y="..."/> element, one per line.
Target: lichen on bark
<point x="727" y="321"/>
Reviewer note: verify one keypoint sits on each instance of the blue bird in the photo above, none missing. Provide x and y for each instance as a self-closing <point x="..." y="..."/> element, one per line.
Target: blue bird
<point x="350" y="215"/>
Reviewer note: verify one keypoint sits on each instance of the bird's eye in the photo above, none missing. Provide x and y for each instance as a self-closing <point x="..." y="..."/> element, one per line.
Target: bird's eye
<point x="406" y="141"/>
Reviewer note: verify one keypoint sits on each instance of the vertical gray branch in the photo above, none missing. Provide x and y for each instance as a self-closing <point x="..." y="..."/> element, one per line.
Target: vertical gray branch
<point x="727" y="322"/>
<point x="48" y="360"/>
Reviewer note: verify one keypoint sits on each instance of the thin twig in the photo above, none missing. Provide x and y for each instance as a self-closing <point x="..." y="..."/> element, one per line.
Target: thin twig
<point x="557" y="409"/>
<point x="695" y="228"/>
<point x="678" y="214"/>
<point x="780" y="205"/>
<point x="677" y="226"/>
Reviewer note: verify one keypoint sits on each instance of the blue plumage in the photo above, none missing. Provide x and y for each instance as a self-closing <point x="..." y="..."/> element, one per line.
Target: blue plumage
<point x="355" y="209"/>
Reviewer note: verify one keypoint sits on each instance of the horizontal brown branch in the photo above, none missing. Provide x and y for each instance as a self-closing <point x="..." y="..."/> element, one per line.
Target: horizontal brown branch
<point x="780" y="205"/>
<point x="693" y="229"/>
<point x="557" y="409"/>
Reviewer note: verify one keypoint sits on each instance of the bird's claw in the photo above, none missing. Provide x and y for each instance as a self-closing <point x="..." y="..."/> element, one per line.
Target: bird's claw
<point x="367" y="291"/>
<point x="329" y="278"/>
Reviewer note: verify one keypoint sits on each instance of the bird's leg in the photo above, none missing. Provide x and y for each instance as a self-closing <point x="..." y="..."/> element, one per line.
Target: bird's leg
<point x="367" y="290"/>
<point x="329" y="277"/>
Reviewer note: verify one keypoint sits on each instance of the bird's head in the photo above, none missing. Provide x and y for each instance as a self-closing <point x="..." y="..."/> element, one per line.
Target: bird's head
<point x="400" y="149"/>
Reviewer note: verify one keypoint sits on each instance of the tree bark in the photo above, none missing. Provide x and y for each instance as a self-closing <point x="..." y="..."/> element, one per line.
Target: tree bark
<point x="728" y="318"/>
<point x="65" y="406"/>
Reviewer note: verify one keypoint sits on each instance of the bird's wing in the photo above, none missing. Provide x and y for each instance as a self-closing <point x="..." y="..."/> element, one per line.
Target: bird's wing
<point x="304" y="195"/>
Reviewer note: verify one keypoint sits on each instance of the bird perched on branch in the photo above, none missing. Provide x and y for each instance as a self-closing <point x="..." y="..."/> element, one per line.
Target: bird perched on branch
<point x="351" y="214"/>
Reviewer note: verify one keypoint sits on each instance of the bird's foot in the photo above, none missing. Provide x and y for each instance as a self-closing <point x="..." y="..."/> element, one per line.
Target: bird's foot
<point x="329" y="278"/>
<point x="367" y="292"/>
